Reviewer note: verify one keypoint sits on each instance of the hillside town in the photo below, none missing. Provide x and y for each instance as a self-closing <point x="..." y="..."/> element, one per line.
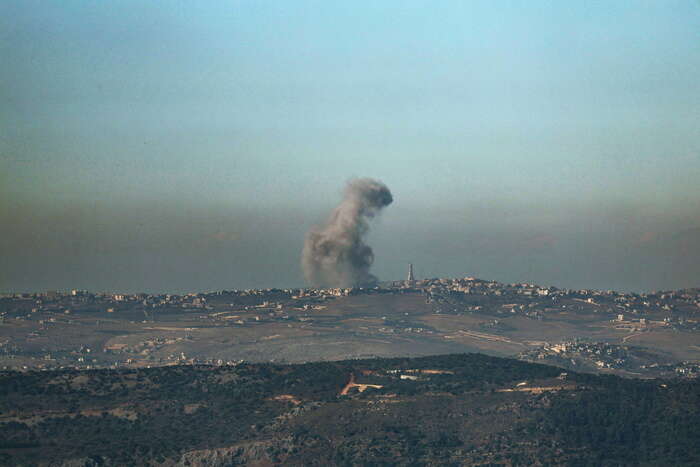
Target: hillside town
<point x="160" y="329"/>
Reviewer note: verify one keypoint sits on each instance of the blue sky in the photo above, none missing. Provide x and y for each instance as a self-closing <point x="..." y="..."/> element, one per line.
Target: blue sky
<point x="187" y="146"/>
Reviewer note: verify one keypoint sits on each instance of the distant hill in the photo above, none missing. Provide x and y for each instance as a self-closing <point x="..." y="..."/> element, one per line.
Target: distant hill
<point x="461" y="409"/>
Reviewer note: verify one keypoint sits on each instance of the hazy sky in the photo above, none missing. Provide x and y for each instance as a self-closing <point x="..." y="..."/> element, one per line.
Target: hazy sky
<point x="184" y="146"/>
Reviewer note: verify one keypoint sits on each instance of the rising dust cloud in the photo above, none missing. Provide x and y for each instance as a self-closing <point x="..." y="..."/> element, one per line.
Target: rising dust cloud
<point x="335" y="254"/>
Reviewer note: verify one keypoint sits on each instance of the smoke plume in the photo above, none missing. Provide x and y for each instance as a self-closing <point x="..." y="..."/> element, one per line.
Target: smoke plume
<point x="335" y="254"/>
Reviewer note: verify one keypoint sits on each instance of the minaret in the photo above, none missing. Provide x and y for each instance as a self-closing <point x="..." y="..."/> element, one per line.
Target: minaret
<point x="410" y="273"/>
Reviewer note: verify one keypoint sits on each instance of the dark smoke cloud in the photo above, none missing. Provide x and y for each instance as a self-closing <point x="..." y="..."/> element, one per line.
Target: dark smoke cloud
<point x="335" y="254"/>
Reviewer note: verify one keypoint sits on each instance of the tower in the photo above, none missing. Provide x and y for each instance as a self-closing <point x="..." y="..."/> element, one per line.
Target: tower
<point x="410" y="273"/>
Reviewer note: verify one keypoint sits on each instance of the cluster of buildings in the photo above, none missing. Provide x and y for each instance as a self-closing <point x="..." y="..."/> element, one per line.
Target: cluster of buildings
<point x="581" y="355"/>
<point x="600" y="354"/>
<point x="680" y="309"/>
